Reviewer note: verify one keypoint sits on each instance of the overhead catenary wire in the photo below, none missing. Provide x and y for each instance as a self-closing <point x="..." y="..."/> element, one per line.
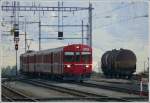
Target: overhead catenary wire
<point x="96" y="16"/>
<point x="122" y="20"/>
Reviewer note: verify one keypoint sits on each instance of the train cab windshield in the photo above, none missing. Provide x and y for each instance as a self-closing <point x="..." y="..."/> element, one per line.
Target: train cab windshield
<point x="77" y="57"/>
<point x="85" y="56"/>
<point x="69" y="57"/>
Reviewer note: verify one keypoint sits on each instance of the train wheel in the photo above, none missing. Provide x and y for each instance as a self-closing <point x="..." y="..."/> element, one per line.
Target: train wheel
<point x="120" y="76"/>
<point x="61" y="78"/>
<point x="111" y="76"/>
<point x="117" y="75"/>
<point x="81" y="81"/>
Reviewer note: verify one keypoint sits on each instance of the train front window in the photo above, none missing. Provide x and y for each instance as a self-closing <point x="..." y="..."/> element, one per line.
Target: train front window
<point x="69" y="57"/>
<point x="86" y="56"/>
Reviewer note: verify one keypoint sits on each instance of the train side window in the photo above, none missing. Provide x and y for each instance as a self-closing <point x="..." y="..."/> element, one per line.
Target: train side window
<point x="77" y="56"/>
<point x="69" y="57"/>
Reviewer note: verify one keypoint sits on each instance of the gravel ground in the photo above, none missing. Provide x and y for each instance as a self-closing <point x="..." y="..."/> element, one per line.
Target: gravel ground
<point x="35" y="91"/>
<point x="95" y="90"/>
<point x="123" y="81"/>
<point x="112" y="80"/>
<point x="123" y="85"/>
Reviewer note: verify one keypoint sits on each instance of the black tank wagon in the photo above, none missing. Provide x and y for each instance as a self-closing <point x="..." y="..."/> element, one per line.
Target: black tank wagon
<point x="118" y="63"/>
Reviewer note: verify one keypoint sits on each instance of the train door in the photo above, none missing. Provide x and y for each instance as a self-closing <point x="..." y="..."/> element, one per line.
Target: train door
<point x="61" y="60"/>
<point x="27" y="63"/>
<point x="34" y="63"/>
<point x="51" y="62"/>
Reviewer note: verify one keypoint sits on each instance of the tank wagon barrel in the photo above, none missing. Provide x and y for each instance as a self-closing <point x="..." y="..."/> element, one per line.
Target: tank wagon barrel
<point x="118" y="63"/>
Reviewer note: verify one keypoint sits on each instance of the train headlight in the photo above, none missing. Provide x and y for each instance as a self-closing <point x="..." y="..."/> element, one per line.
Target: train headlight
<point x="68" y="66"/>
<point x="77" y="47"/>
<point x="87" y="66"/>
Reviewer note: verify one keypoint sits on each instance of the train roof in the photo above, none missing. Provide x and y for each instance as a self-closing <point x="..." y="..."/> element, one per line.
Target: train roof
<point x="30" y="53"/>
<point x="43" y="51"/>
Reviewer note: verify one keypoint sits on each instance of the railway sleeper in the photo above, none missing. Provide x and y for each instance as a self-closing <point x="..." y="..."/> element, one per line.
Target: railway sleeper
<point x="70" y="91"/>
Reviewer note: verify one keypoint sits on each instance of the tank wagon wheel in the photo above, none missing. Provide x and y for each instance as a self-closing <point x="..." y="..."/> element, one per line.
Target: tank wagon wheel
<point x="81" y="81"/>
<point x="115" y="75"/>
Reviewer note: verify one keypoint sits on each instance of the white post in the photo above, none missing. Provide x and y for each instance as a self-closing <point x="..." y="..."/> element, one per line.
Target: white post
<point x="141" y="87"/>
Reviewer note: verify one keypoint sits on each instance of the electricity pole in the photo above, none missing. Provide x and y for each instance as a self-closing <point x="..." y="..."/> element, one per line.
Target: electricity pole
<point x="25" y="36"/>
<point x="148" y="65"/>
<point x="16" y="48"/>
<point x="58" y="9"/>
<point x="82" y="32"/>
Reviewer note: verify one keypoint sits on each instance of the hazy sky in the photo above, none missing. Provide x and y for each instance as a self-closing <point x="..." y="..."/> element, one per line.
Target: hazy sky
<point x="121" y="24"/>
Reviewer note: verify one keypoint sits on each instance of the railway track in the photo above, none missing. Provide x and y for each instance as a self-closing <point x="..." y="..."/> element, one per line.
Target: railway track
<point x="109" y="86"/>
<point x="111" y="81"/>
<point x="15" y="96"/>
<point x="113" y="88"/>
<point x="77" y="93"/>
<point x="11" y="95"/>
<point x="114" y="82"/>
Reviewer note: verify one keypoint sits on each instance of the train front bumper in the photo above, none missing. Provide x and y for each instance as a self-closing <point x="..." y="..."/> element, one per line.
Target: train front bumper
<point x="77" y="77"/>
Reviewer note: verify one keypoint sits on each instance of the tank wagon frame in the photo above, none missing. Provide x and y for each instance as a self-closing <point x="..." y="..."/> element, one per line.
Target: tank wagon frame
<point x="72" y="62"/>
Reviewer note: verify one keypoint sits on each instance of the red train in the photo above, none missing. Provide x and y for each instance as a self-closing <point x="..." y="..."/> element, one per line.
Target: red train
<point x="72" y="62"/>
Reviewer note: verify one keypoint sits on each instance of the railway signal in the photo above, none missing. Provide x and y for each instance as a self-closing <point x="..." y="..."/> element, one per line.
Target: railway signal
<point x="16" y="40"/>
<point x="16" y="33"/>
<point x="16" y="30"/>
<point x="16" y="46"/>
<point x="60" y="35"/>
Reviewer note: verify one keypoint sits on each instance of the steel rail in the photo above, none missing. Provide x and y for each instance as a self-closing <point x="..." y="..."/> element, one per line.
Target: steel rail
<point x="17" y="93"/>
<point x="71" y="91"/>
<point x="113" y="88"/>
<point x="6" y="98"/>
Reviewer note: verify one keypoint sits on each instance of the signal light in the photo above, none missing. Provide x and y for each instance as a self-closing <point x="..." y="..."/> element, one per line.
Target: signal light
<point x="16" y="33"/>
<point x="16" y="46"/>
<point x="16" y="30"/>
<point x="60" y="35"/>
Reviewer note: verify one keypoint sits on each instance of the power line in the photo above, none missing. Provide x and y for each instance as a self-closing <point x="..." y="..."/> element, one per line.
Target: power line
<point x="128" y="19"/>
<point x="114" y="9"/>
